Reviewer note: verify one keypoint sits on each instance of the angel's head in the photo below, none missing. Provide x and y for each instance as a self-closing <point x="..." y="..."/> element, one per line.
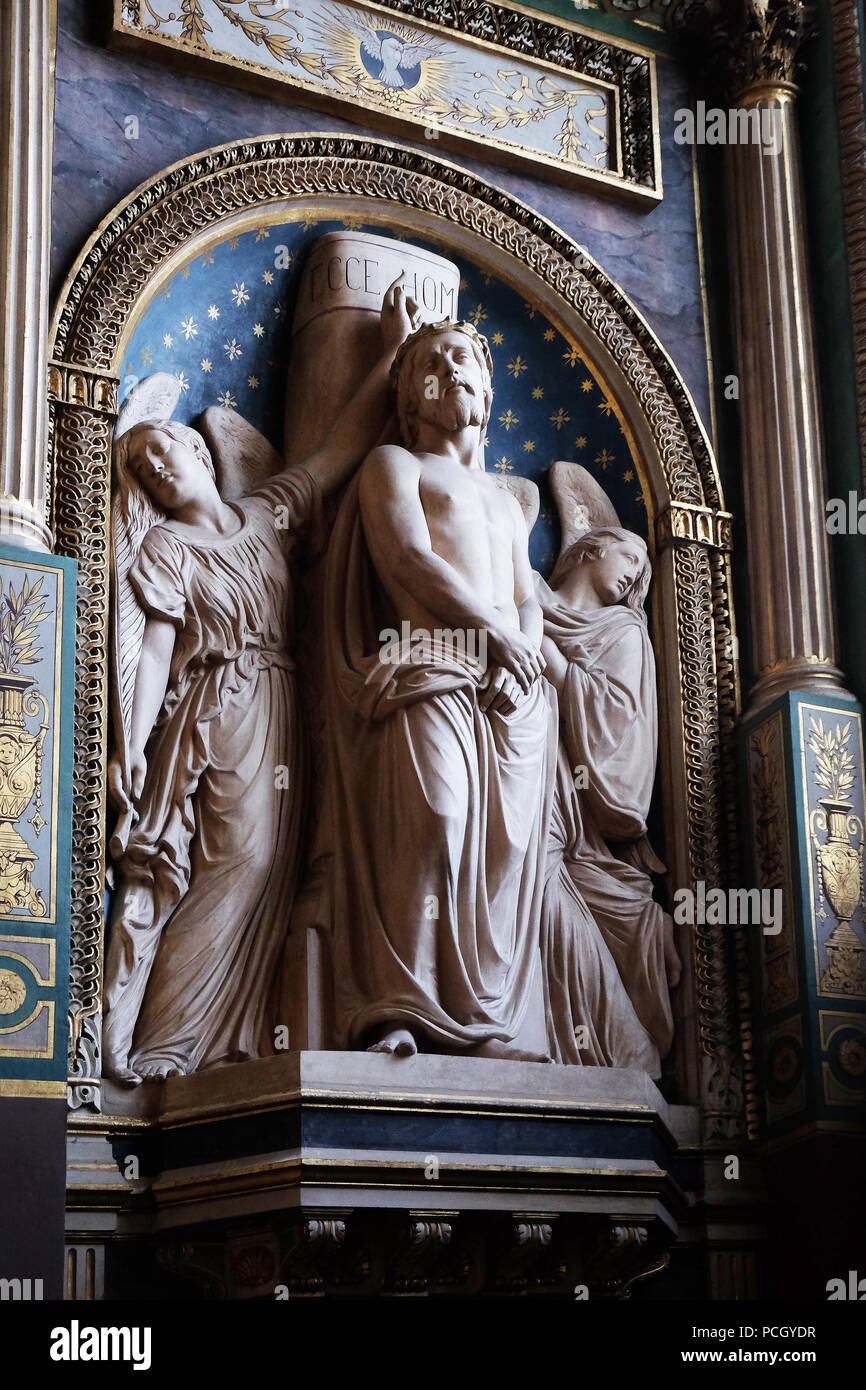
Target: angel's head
<point x="170" y="461"/>
<point x="442" y="376"/>
<point x="607" y="565"/>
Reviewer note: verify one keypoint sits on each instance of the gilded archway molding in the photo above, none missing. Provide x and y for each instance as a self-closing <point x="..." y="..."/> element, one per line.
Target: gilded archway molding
<point x="158" y="226"/>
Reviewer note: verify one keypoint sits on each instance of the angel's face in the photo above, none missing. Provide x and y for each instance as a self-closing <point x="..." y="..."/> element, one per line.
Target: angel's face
<point x="614" y="572"/>
<point x="171" y="473"/>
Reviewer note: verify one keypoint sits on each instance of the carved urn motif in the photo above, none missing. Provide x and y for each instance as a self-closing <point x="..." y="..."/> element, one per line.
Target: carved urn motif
<point x="840" y="856"/>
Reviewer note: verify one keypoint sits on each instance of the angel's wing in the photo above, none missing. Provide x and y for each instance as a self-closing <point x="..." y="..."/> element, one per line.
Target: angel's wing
<point x="132" y="515"/>
<point x="581" y="501"/>
<point x="154" y="398"/>
<point x="372" y="44"/>
<point x="243" y="457"/>
<point x="526" y="492"/>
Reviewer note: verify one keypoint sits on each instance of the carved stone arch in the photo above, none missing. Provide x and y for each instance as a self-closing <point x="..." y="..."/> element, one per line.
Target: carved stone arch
<point x="145" y="240"/>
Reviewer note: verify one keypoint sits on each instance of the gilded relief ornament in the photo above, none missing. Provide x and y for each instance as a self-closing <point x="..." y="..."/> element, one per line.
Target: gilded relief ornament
<point x="20" y="750"/>
<point x="13" y="992"/>
<point x="840" y="857"/>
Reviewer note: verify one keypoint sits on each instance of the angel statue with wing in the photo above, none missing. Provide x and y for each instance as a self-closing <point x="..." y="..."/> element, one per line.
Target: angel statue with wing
<point x="208" y="772"/>
<point x="610" y="959"/>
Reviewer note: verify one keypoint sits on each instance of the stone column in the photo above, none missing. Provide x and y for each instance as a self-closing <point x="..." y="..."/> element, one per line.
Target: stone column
<point x="26" y="106"/>
<point x="801" y="739"/>
<point x="754" y="45"/>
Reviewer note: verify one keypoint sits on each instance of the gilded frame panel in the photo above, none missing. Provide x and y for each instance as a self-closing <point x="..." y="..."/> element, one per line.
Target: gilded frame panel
<point x="527" y="45"/>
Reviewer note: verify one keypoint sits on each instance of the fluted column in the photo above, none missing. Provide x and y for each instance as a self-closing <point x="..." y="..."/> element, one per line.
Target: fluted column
<point x="26" y="102"/>
<point x="791" y="603"/>
<point x="750" y="50"/>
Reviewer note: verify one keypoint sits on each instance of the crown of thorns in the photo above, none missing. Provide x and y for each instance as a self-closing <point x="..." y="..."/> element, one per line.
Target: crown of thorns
<point x="428" y="330"/>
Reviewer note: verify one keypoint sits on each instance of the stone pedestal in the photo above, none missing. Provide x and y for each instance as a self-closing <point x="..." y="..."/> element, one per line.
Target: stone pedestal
<point x="804" y="772"/>
<point x="351" y="1173"/>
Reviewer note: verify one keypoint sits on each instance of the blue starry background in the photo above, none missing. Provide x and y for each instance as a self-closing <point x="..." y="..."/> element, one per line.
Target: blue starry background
<point x="222" y="325"/>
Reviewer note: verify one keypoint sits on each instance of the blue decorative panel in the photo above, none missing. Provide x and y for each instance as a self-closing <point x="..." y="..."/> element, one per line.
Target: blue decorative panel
<point x="37" y="622"/>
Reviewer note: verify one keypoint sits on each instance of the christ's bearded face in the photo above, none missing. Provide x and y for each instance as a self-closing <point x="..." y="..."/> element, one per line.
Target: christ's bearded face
<point x="448" y="383"/>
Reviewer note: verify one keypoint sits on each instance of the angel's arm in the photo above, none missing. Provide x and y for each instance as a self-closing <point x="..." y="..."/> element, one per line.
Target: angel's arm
<point x="557" y="666"/>
<point x="360" y="423"/>
<point x="151" y="681"/>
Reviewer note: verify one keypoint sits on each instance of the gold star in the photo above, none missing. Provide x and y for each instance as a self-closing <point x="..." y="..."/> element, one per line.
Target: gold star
<point x="504" y="465"/>
<point x="549" y="335"/>
<point x="509" y="419"/>
<point x="537" y="393"/>
<point x="497" y="340"/>
<point x="561" y="418"/>
<point x="252" y="381"/>
<point x="516" y="366"/>
<point x="605" y="458"/>
<point x="586" y="384"/>
<point x="262" y="233"/>
<point x="529" y="446"/>
<point x="580" y="442"/>
<point x="479" y="313"/>
<point x="628" y="475"/>
<point x="268" y="276"/>
<point x="572" y="357"/>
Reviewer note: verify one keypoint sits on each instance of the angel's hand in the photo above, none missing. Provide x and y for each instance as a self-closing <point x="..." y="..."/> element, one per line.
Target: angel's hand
<point x="400" y="316"/>
<point x="137" y="772"/>
<point x="123" y="790"/>
<point x="116" y="790"/>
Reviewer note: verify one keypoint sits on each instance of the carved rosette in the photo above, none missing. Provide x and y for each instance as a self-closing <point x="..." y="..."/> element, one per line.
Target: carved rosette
<point x="116" y="272"/>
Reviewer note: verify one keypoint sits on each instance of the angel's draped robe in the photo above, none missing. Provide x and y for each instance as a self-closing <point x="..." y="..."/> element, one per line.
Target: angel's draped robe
<point x="602" y="931"/>
<point x="439" y="828"/>
<point x="210" y="870"/>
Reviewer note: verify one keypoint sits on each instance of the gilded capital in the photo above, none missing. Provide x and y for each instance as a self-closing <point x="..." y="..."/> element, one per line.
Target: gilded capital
<point x="745" y="44"/>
